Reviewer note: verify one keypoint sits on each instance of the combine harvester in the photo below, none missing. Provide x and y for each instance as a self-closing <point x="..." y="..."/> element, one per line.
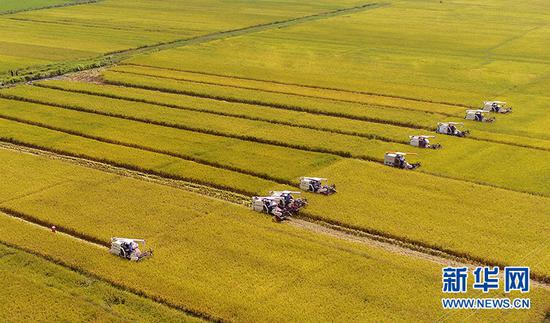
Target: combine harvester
<point x="280" y="204"/>
<point x="317" y="185"/>
<point x="496" y="106"/>
<point x="397" y="159"/>
<point x="423" y="141"/>
<point x="478" y="115"/>
<point x="450" y="128"/>
<point x="129" y="249"/>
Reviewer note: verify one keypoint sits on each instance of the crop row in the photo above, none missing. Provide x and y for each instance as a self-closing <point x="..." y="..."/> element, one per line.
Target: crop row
<point x="291" y="89"/>
<point x="310" y="120"/>
<point x="204" y="248"/>
<point x="238" y="128"/>
<point x="496" y="173"/>
<point x="373" y="197"/>
<point x="238" y="110"/>
<point x="67" y="295"/>
<point x="136" y="159"/>
<point x="385" y="116"/>
<point x="354" y="111"/>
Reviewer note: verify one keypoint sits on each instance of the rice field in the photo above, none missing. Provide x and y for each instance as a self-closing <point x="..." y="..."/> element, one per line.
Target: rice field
<point x="192" y="235"/>
<point x="178" y="113"/>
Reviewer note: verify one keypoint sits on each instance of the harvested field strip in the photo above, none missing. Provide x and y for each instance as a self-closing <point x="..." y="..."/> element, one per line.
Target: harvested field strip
<point x="450" y="104"/>
<point x="50" y="70"/>
<point x="152" y="83"/>
<point x="252" y="131"/>
<point x="83" y="271"/>
<point x="162" y="152"/>
<point x="191" y="78"/>
<point x="227" y="194"/>
<point x="306" y="120"/>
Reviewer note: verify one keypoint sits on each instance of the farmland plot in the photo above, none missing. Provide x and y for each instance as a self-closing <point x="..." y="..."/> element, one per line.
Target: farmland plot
<point x="66" y="295"/>
<point x="354" y="206"/>
<point x="409" y="49"/>
<point x="91" y="30"/>
<point x="218" y="258"/>
<point x="527" y="168"/>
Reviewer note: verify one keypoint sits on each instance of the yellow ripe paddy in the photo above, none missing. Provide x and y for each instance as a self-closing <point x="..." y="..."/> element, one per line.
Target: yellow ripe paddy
<point x="160" y="120"/>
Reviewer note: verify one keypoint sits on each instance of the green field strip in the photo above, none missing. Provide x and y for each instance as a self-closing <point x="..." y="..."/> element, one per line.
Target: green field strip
<point x="119" y="55"/>
<point x="287" y="89"/>
<point x="244" y="250"/>
<point x="207" y="189"/>
<point x="64" y="294"/>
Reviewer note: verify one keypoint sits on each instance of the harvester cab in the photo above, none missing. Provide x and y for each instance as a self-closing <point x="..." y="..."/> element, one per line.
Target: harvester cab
<point x="129" y="249"/>
<point x="423" y="141"/>
<point x="450" y="128"/>
<point x="477" y="115"/>
<point x="397" y="159"/>
<point x="496" y="106"/>
<point x="317" y="185"/>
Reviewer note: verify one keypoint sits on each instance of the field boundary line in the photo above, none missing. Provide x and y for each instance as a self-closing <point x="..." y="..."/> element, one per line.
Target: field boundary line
<point x="202" y="189"/>
<point x="29" y="220"/>
<point x="61" y="5"/>
<point x="318" y="87"/>
<point x="289" y="93"/>
<point x="316" y="223"/>
<point x="110" y="58"/>
<point x="372" y="136"/>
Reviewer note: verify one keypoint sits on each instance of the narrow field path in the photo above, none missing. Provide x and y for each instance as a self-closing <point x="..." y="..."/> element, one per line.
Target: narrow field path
<point x="304" y="220"/>
<point x="108" y="59"/>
